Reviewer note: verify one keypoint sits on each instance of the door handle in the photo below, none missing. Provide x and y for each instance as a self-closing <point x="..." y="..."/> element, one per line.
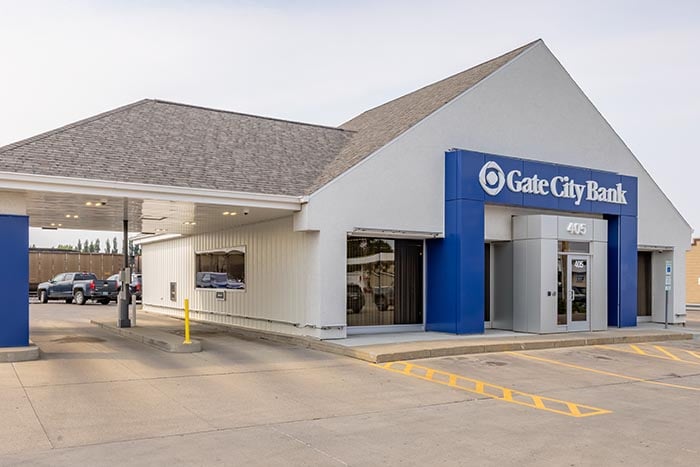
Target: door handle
<point x="571" y="295"/>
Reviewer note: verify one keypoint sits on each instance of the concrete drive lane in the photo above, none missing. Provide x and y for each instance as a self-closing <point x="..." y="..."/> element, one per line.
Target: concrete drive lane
<point x="97" y="399"/>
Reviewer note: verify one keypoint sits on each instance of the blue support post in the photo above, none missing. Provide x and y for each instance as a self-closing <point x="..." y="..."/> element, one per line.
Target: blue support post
<point x="622" y="271"/>
<point x="455" y="282"/>
<point x="14" y="280"/>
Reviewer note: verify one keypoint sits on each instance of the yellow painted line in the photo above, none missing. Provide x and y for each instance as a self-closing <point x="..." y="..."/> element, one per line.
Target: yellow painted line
<point x="646" y="354"/>
<point x="637" y="349"/>
<point x="666" y="352"/>
<point x="694" y="354"/>
<point x="606" y="373"/>
<point x="493" y="391"/>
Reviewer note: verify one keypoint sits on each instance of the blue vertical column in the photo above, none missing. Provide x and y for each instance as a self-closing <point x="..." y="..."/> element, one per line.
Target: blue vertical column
<point x="14" y="281"/>
<point x="613" y="270"/>
<point x="622" y="271"/>
<point x="455" y="280"/>
<point x="628" y="271"/>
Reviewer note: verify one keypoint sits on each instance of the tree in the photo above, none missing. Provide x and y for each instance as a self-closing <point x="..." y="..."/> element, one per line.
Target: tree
<point x="115" y="248"/>
<point x="108" y="247"/>
<point x="91" y="247"/>
<point x="98" y="247"/>
<point x="80" y="246"/>
<point x="86" y="247"/>
<point x="134" y="250"/>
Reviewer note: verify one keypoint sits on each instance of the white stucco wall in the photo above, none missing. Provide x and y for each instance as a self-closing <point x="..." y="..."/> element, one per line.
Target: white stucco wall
<point x="531" y="109"/>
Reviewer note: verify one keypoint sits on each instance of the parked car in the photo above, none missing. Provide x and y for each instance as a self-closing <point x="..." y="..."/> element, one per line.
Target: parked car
<point x="235" y="284"/>
<point x="355" y="298"/>
<point x="384" y="297"/>
<point x="212" y="280"/>
<point x="135" y="286"/>
<point x="79" y="287"/>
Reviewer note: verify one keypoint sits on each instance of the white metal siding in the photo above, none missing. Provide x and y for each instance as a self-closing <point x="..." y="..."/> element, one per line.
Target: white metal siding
<point x="276" y="272"/>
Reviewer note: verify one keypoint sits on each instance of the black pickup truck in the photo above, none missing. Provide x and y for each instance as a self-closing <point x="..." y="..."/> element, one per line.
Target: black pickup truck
<point x="78" y="286"/>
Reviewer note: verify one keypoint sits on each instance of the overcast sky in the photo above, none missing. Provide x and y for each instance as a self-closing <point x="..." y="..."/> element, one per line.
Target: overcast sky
<point x="326" y="61"/>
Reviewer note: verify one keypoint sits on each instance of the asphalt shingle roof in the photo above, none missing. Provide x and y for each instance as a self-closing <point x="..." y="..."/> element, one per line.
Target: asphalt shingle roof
<point x="165" y="143"/>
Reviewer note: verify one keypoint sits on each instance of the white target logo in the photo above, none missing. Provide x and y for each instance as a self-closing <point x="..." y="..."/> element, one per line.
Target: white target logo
<point x="492" y="178"/>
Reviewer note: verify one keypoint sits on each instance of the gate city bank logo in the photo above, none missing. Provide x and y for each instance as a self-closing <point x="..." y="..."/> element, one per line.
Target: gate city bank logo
<point x="493" y="179"/>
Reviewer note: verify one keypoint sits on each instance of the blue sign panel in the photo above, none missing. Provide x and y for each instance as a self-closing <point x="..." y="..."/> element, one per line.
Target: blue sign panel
<point x="455" y="283"/>
<point x="518" y="182"/>
<point x="14" y="280"/>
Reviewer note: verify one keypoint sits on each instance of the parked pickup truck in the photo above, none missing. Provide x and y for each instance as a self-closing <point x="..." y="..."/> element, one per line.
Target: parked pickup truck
<point x="78" y="286"/>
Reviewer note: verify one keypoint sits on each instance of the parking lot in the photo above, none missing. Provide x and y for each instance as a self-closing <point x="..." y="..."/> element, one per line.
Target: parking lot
<point x="97" y="399"/>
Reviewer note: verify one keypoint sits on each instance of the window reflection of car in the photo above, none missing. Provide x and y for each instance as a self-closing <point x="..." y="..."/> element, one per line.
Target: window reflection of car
<point x="384" y="297"/>
<point x="355" y="298"/>
<point x="212" y="280"/>
<point x="235" y="284"/>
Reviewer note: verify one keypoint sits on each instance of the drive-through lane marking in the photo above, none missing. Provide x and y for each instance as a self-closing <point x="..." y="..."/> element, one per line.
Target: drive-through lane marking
<point x="663" y="353"/>
<point x="602" y="372"/>
<point x="493" y="391"/>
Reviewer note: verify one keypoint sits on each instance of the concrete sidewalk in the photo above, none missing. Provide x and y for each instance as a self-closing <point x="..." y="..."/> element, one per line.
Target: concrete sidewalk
<point x="165" y="333"/>
<point x="382" y="352"/>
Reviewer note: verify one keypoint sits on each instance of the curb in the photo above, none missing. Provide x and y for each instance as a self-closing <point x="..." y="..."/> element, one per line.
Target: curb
<point x="159" y="339"/>
<point x="386" y="357"/>
<point x="19" y="354"/>
<point x="438" y="349"/>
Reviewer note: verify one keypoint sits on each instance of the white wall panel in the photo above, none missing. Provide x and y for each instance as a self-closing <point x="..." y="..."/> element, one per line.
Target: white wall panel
<point x="278" y="270"/>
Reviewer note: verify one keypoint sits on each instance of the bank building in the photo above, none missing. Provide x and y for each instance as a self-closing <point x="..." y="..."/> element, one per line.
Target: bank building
<point x="498" y="197"/>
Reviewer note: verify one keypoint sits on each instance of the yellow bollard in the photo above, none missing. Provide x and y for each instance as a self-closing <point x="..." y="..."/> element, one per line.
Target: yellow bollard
<point x="187" y="322"/>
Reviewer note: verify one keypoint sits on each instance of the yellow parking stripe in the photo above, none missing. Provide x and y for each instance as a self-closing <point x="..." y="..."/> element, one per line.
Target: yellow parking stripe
<point x="601" y="372"/>
<point x="694" y="354"/>
<point x="638" y="351"/>
<point x="664" y="351"/>
<point x="493" y="391"/>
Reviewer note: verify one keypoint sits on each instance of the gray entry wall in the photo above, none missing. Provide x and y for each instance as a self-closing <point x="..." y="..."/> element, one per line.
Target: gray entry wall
<point x="535" y="281"/>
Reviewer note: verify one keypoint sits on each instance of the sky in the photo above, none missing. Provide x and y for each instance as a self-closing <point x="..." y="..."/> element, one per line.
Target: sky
<point x="327" y="61"/>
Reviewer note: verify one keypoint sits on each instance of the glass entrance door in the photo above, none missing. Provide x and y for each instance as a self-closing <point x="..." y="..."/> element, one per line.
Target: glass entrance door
<point x="572" y="293"/>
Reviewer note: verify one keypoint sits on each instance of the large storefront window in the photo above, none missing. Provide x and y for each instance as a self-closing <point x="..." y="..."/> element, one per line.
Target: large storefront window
<point x="384" y="281"/>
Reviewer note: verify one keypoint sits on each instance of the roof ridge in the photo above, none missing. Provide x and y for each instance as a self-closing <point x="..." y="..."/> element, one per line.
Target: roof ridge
<point x="39" y="137"/>
<point x="520" y="49"/>
<point x="161" y="101"/>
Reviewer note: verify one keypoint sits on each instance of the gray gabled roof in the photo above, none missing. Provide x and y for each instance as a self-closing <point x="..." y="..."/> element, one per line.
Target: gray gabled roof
<point x="165" y="143"/>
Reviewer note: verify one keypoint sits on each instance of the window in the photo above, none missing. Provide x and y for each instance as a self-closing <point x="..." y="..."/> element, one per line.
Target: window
<point x="384" y="281"/>
<point x="573" y="247"/>
<point x="221" y="269"/>
<point x="82" y="277"/>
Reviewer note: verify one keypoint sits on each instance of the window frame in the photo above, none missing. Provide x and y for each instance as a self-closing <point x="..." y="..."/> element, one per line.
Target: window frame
<point x="238" y="248"/>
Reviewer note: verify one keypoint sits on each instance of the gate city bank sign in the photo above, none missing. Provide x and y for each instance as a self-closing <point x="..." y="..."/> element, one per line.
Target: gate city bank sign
<point x="493" y="179"/>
